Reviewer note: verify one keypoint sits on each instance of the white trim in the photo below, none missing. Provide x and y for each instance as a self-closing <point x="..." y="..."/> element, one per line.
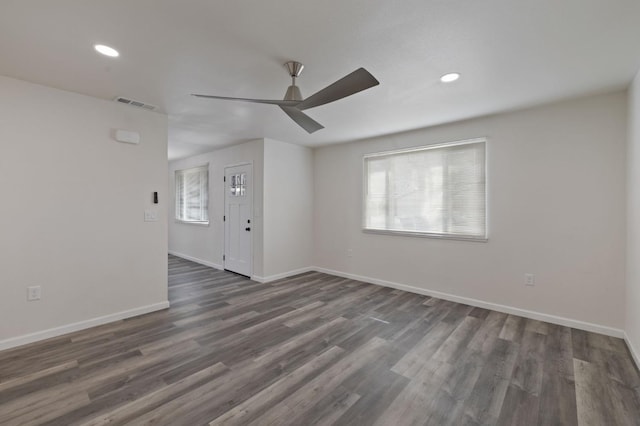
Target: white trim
<point x="196" y="260"/>
<point x="634" y="353"/>
<point x="184" y="222"/>
<point x="282" y="275"/>
<point x="243" y="163"/>
<point x="456" y="237"/>
<point x="77" y="326"/>
<point x="427" y="147"/>
<point x="568" y="322"/>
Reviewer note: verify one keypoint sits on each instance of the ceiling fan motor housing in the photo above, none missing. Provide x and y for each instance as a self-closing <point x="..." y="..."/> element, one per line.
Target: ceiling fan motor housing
<point x="293" y="91"/>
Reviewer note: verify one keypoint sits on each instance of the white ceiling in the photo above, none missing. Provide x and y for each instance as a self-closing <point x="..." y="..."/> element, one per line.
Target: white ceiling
<point x="511" y="54"/>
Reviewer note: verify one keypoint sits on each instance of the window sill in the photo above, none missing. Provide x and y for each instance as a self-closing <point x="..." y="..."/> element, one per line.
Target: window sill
<point x="426" y="235"/>
<point x="192" y="223"/>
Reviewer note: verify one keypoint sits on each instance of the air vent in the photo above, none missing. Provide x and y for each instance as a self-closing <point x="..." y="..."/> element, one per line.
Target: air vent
<point x="134" y="103"/>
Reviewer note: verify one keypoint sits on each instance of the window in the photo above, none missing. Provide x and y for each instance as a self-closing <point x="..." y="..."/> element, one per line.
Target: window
<point x="437" y="191"/>
<point x="238" y="185"/>
<point x="192" y="195"/>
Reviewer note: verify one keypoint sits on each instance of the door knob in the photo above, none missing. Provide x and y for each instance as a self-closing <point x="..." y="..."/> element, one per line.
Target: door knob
<point x="247" y="229"/>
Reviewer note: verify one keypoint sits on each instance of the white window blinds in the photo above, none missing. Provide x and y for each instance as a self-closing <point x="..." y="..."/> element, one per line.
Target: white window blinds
<point x="192" y="194"/>
<point x="435" y="191"/>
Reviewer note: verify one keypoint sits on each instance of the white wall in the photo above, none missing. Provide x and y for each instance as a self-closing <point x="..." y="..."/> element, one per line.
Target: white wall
<point x="205" y="244"/>
<point x="556" y="209"/>
<point x="71" y="216"/>
<point x="633" y="222"/>
<point x="288" y="208"/>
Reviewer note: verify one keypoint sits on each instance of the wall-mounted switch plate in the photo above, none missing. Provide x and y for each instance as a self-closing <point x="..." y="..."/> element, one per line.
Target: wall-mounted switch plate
<point x="34" y="293"/>
<point x="150" y="215"/>
<point x="529" y="279"/>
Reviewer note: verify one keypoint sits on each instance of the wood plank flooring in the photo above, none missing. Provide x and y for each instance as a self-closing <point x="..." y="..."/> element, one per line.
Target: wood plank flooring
<point x="315" y="349"/>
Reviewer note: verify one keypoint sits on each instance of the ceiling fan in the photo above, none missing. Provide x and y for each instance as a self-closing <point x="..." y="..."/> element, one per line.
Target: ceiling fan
<point x="293" y="104"/>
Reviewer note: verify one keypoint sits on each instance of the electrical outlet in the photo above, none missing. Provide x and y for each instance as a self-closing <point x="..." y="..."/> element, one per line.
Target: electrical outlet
<point x="34" y="293"/>
<point x="349" y="252"/>
<point x="529" y="279"/>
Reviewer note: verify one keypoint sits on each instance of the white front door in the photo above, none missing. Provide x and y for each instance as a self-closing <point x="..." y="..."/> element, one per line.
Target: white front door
<point x="238" y="208"/>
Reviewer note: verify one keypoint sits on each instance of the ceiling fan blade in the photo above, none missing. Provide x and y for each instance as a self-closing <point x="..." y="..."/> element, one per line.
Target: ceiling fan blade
<point x="256" y="101"/>
<point x="302" y="119"/>
<point x="355" y="82"/>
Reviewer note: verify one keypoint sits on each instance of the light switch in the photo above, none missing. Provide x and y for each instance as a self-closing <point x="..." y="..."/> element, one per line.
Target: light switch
<point x="34" y="293"/>
<point x="150" y="215"/>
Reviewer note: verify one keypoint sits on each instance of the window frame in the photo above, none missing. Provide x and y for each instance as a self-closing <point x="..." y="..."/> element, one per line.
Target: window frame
<point x="365" y="182"/>
<point x="175" y="192"/>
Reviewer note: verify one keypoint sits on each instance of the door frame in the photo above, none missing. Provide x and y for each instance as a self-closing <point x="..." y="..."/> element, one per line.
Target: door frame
<point x="224" y="222"/>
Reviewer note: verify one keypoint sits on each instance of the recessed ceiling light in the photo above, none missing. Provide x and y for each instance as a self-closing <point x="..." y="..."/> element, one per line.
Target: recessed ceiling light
<point x="106" y="50"/>
<point x="448" y="78"/>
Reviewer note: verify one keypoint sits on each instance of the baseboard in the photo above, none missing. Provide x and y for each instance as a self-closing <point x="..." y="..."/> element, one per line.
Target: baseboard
<point x="568" y="322"/>
<point x="635" y="354"/>
<point x="77" y="326"/>
<point x="196" y="260"/>
<point x="282" y="275"/>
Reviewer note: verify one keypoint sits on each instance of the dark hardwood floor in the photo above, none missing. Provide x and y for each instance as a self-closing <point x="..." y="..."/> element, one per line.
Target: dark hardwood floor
<point x="318" y="349"/>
